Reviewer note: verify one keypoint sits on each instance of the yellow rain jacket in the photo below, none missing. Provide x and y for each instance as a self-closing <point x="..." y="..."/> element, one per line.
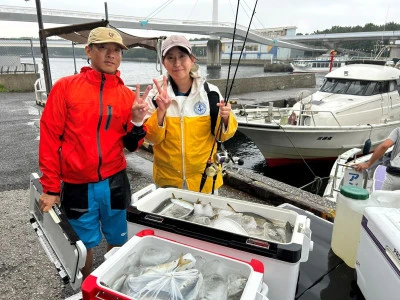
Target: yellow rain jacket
<point x="183" y="144"/>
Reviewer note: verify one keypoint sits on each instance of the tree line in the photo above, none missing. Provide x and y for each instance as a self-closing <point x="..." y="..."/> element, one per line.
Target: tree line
<point x="366" y="46"/>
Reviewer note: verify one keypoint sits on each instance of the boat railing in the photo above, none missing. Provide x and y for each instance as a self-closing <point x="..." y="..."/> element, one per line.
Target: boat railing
<point x="283" y="115"/>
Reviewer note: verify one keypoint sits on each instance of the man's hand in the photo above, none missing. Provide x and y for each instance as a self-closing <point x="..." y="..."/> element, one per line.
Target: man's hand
<point x="140" y="106"/>
<point x="361" y="166"/>
<point x="46" y="201"/>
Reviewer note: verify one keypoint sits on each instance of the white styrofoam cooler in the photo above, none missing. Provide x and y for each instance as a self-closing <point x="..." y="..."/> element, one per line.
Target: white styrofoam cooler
<point x="96" y="284"/>
<point x="378" y="256"/>
<point x="281" y="260"/>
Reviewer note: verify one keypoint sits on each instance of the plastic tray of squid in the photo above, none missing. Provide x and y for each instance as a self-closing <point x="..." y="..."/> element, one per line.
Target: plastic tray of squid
<point x="227" y="219"/>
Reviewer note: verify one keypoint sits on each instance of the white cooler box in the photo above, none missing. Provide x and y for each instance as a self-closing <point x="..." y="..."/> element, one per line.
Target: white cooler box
<point x="281" y="260"/>
<point x="96" y="285"/>
<point x="378" y="256"/>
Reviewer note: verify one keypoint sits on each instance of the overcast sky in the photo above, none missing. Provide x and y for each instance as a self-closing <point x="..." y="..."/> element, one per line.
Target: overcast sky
<point x="307" y="15"/>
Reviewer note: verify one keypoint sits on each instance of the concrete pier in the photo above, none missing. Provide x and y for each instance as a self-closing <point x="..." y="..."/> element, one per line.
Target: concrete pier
<point x="261" y="84"/>
<point x="267" y="83"/>
<point x="214" y="54"/>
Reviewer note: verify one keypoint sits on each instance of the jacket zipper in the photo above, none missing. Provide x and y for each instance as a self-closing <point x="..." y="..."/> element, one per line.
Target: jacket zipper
<point x="184" y="184"/>
<point x="109" y="117"/>
<point x="103" y="79"/>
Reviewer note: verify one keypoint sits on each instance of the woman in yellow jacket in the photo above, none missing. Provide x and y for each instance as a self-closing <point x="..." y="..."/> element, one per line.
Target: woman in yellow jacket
<point x="178" y="123"/>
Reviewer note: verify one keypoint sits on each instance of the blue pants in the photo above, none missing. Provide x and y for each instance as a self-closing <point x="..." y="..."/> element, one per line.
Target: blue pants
<point x="96" y="209"/>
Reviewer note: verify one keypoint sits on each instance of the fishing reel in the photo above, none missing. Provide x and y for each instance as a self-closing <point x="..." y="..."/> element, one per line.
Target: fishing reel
<point x="224" y="157"/>
<point x="212" y="170"/>
<point x="221" y="156"/>
<point x="226" y="160"/>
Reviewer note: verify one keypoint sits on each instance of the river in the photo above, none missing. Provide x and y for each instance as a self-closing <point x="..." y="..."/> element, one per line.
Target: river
<point x="133" y="72"/>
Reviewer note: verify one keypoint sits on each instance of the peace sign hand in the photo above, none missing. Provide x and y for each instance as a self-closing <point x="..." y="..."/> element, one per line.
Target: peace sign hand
<point x="162" y="99"/>
<point x="140" y="106"/>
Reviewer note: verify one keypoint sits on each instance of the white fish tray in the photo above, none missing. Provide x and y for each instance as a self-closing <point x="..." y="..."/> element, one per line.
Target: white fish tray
<point x="113" y="267"/>
<point x="281" y="260"/>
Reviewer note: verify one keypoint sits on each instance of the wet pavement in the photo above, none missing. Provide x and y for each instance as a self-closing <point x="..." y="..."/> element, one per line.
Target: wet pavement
<point x="25" y="270"/>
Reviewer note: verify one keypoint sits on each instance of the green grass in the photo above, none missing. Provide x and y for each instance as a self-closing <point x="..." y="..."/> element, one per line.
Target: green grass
<point x="3" y="89"/>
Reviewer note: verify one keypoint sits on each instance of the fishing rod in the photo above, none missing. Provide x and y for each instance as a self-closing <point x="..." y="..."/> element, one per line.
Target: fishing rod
<point x="222" y="155"/>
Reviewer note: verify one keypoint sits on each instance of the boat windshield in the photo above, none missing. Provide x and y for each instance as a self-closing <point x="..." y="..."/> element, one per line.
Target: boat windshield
<point x="357" y="87"/>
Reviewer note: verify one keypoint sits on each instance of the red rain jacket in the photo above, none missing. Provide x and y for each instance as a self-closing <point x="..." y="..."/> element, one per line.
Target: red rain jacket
<point x="81" y="129"/>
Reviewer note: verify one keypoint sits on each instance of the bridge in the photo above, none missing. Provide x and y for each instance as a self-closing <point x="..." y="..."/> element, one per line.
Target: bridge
<point x="349" y="36"/>
<point x="28" y="14"/>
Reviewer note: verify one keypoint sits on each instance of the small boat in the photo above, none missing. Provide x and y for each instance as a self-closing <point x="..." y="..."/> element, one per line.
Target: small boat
<point x="342" y="173"/>
<point x="356" y="103"/>
<point x="320" y="64"/>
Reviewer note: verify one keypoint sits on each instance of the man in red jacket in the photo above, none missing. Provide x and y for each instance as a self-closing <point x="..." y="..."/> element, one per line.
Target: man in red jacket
<point x="88" y="120"/>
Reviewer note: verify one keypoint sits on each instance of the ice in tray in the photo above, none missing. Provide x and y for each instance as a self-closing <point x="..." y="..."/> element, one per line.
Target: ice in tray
<point x="228" y="219"/>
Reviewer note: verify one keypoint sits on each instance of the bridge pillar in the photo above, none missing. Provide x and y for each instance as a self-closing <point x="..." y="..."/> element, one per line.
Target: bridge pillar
<point x="214" y="54"/>
<point x="331" y="44"/>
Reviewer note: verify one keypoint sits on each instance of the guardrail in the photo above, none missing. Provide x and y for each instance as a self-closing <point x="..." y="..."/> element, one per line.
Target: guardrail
<point x="22" y="68"/>
<point x="282" y="116"/>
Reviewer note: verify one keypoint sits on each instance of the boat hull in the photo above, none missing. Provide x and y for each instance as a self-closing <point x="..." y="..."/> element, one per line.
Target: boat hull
<point x="289" y="144"/>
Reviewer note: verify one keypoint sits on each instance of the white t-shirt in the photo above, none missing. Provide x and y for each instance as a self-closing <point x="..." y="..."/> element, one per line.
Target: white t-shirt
<point x="395" y="157"/>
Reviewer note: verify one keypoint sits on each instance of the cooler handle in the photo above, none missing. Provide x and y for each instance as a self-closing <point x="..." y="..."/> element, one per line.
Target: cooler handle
<point x="143" y="192"/>
<point x="262" y="295"/>
<point x="308" y="244"/>
<point x="395" y="259"/>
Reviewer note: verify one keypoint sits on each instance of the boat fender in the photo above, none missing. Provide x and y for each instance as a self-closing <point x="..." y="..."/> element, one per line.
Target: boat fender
<point x="242" y="112"/>
<point x="292" y="119"/>
<point x="367" y="147"/>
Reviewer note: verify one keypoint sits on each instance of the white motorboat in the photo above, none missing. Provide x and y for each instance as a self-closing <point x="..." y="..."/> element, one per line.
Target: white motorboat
<point x="320" y="64"/>
<point x="356" y="103"/>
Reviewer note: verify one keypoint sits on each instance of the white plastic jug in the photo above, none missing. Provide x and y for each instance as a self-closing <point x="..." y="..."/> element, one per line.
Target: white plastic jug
<point x="350" y="206"/>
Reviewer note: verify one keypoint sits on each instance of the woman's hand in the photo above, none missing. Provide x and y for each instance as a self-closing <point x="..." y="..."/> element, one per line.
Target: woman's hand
<point x="140" y="106"/>
<point x="224" y="111"/>
<point x="162" y="99"/>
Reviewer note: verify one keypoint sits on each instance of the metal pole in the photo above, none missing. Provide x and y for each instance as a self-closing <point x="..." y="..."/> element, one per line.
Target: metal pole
<point x="106" y="10"/>
<point x="33" y="56"/>
<point x="73" y="53"/>
<point x="43" y="49"/>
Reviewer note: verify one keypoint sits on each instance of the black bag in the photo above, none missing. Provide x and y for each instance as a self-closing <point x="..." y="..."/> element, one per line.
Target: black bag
<point x="395" y="171"/>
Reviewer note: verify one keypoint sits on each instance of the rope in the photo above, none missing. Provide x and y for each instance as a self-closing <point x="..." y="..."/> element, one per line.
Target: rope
<point x="192" y="10"/>
<point x="159" y="9"/>
<point x="259" y="21"/>
<point x="316" y="184"/>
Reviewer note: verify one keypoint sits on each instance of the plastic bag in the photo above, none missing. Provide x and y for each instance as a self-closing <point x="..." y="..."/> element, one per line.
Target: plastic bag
<point x="215" y="285"/>
<point x="174" y="285"/>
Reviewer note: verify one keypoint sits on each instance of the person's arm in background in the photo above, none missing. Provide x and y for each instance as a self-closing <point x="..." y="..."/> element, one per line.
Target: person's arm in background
<point x="378" y="153"/>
